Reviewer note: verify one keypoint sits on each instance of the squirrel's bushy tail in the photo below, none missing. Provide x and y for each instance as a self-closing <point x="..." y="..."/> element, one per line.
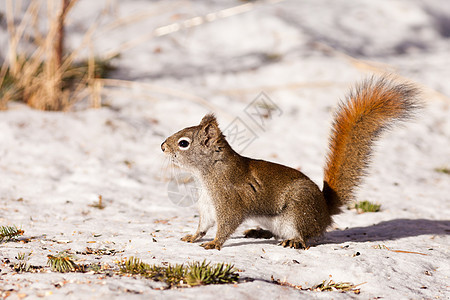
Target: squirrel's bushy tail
<point x="372" y="107"/>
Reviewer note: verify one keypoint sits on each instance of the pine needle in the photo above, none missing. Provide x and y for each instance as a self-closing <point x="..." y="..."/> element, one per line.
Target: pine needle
<point x="398" y="251"/>
<point x="330" y="285"/>
<point x="325" y="286"/>
<point x="443" y="170"/>
<point x="9" y="233"/>
<point x="62" y="262"/>
<point x="22" y="264"/>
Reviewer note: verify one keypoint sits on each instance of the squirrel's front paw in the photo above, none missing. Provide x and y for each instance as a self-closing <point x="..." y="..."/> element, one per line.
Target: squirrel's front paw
<point x="189" y="238"/>
<point x="212" y="245"/>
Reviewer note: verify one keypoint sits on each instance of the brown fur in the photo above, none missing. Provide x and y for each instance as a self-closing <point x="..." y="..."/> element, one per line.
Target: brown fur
<point x="283" y="199"/>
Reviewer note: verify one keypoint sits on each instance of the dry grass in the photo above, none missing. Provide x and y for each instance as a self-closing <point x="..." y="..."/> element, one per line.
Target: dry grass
<point x="44" y="77"/>
<point x="326" y="286"/>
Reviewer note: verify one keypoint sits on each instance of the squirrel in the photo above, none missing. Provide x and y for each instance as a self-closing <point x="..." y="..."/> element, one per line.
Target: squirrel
<point x="284" y="200"/>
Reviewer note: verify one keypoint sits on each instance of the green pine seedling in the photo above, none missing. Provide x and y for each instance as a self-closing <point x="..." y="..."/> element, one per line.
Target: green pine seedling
<point x="9" y="233"/>
<point x="367" y="206"/>
<point x="62" y="262"/>
<point x="22" y="265"/>
<point x="134" y="265"/>
<point x="193" y="274"/>
<point x="203" y="273"/>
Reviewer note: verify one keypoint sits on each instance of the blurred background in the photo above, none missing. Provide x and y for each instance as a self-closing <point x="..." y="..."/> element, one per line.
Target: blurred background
<point x="212" y="49"/>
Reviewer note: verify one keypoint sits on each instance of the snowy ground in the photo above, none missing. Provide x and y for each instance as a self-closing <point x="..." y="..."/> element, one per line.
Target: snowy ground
<point x="304" y="55"/>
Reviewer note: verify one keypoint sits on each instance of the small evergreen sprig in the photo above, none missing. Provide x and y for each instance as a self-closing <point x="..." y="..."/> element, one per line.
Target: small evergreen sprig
<point x="62" y="262"/>
<point x="9" y="233"/>
<point x="367" y="206"/>
<point x="203" y="273"/>
<point x="22" y="264"/>
<point x="193" y="274"/>
<point x="134" y="266"/>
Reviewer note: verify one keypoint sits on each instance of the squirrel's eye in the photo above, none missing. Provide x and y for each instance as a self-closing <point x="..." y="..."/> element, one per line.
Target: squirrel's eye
<point x="184" y="143"/>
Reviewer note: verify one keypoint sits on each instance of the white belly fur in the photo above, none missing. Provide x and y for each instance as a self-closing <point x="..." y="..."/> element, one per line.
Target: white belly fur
<point x="206" y="210"/>
<point x="280" y="227"/>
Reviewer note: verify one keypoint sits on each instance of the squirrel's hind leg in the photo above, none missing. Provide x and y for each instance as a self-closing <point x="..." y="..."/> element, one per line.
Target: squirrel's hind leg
<point x="294" y="243"/>
<point x="258" y="233"/>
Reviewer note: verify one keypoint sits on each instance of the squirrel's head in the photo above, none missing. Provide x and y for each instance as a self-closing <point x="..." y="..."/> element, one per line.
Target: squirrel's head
<point x="198" y="147"/>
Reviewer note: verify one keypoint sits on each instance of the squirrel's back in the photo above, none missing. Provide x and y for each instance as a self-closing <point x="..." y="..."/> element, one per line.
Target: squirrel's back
<point x="372" y="107"/>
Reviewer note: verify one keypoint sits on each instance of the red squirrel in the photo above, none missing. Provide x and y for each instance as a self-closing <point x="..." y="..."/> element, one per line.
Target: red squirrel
<point x="282" y="199"/>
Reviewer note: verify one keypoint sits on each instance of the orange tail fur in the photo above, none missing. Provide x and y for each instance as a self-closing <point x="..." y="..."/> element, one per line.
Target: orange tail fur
<point x="371" y="108"/>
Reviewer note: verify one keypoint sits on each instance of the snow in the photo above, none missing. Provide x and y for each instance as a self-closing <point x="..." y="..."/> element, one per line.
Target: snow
<point x="304" y="55"/>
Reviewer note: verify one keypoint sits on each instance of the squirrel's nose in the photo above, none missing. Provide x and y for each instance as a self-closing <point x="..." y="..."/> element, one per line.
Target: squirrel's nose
<point x="163" y="146"/>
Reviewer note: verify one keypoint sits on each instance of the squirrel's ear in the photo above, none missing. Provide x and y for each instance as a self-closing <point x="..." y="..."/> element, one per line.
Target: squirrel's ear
<point x="210" y="129"/>
<point x="209" y="118"/>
